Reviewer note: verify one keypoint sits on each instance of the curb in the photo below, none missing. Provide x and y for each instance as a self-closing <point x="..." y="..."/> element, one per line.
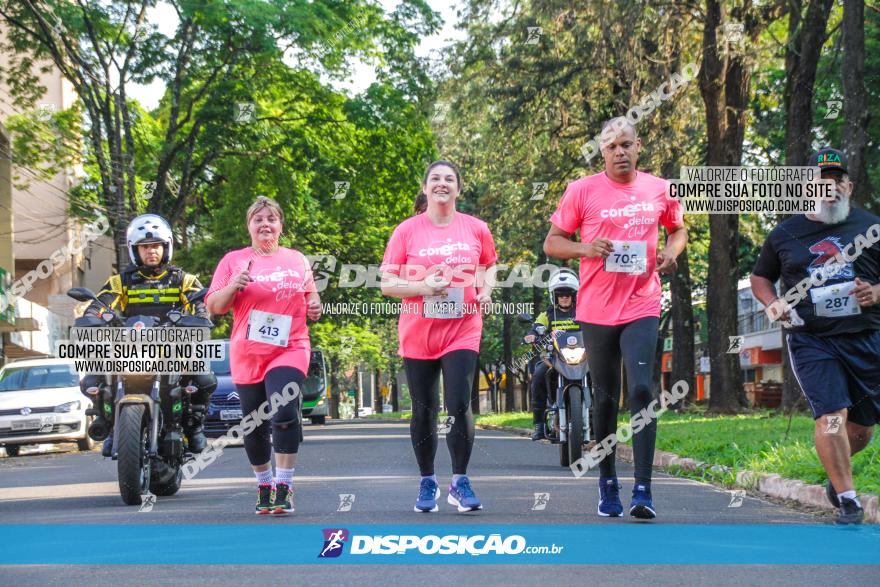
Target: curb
<point x="768" y="484"/>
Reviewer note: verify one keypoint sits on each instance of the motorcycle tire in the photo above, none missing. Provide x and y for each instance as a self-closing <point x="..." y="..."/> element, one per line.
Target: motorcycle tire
<point x="133" y="466"/>
<point x="575" y="443"/>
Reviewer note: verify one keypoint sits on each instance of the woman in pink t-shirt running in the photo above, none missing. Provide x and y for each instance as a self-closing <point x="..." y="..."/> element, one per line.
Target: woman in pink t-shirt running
<point x="270" y="291"/>
<point x="437" y="262"/>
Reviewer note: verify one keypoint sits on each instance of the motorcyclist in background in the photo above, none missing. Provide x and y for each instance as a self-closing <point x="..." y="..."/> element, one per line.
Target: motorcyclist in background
<point x="151" y="286"/>
<point x="559" y="316"/>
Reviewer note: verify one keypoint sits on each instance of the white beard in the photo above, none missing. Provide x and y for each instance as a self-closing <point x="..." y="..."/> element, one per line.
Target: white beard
<point x="833" y="212"/>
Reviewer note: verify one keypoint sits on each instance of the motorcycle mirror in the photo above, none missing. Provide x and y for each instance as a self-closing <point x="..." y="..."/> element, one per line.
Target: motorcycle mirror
<point x="524" y="317"/>
<point x="82" y="294"/>
<point x="540" y="329"/>
<point x="197" y="296"/>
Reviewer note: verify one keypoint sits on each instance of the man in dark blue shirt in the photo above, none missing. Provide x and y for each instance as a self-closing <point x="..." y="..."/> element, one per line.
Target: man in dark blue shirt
<point x="829" y="264"/>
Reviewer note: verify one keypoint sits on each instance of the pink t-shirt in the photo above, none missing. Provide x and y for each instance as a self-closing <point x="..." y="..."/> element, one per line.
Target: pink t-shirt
<point x="281" y="281"/>
<point x="600" y="207"/>
<point x="416" y="245"/>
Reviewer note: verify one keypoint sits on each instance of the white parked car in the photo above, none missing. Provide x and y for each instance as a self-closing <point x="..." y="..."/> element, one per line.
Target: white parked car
<point x="40" y="402"/>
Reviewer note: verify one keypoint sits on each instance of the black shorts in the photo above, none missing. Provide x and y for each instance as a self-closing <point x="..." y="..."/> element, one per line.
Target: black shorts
<point x="837" y="372"/>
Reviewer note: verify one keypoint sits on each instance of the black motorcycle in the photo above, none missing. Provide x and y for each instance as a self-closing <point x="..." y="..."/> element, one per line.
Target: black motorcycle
<point x="569" y="411"/>
<point x="149" y="443"/>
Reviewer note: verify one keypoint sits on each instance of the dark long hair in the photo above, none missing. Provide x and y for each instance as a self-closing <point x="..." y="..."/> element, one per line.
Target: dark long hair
<point x="421" y="202"/>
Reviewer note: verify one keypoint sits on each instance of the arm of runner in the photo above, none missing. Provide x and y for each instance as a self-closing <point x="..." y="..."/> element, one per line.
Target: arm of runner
<point x="485" y="283"/>
<point x="866" y="294"/>
<point x="220" y="300"/>
<point x="313" y="302"/>
<point x="395" y="286"/>
<point x="765" y="292"/>
<point x="675" y="245"/>
<point x="558" y="244"/>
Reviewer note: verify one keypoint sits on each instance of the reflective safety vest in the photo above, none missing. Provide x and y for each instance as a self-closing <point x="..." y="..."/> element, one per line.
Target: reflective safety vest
<point x="136" y="293"/>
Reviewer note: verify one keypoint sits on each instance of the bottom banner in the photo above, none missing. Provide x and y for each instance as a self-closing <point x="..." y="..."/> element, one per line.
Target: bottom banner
<point x="438" y="544"/>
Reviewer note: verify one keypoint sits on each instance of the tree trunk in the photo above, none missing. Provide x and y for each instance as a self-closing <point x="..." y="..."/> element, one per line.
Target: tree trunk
<point x="334" y="392"/>
<point x="806" y="36"/>
<point x="395" y="391"/>
<point x="683" y="329"/>
<point x="724" y="86"/>
<point x="658" y="354"/>
<point x="509" y="395"/>
<point x="378" y="400"/>
<point x="855" y="103"/>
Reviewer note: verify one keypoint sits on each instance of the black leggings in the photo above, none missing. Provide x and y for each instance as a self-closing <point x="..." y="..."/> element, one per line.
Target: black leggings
<point x="458" y="377"/>
<point x="636" y="343"/>
<point x="286" y="423"/>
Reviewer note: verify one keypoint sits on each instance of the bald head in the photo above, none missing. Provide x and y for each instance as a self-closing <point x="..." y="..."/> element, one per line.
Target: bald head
<point x="620" y="148"/>
<point x="620" y="124"/>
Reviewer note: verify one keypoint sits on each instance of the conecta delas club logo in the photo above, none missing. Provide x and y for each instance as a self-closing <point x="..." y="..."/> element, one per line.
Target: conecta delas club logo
<point x="334" y="539"/>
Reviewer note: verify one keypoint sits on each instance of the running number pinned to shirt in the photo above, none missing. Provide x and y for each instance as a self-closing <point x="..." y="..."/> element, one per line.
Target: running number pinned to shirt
<point x="446" y="306"/>
<point x="627" y="257"/>
<point x="835" y="301"/>
<point x="269" y="328"/>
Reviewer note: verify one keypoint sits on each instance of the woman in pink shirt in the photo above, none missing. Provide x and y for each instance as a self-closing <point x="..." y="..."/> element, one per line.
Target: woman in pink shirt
<point x="437" y="262"/>
<point x="270" y="291"/>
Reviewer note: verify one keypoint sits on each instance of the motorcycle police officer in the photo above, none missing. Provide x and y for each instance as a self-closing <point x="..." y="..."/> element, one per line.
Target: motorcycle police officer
<point x="150" y="286"/>
<point x="559" y="316"/>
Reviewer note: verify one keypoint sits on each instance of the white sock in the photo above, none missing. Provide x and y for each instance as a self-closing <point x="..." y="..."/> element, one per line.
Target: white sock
<point x="264" y="477"/>
<point x="851" y="494"/>
<point x="284" y="476"/>
<point x="431" y="477"/>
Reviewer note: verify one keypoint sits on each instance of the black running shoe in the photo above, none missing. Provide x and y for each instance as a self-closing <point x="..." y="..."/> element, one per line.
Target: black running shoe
<point x="832" y="494"/>
<point x="850" y="512"/>
<point x="282" y="503"/>
<point x="264" y="499"/>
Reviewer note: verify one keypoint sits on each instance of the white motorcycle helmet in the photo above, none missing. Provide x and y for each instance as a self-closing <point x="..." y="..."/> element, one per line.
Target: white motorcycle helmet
<point x="149" y="228"/>
<point x="563" y="280"/>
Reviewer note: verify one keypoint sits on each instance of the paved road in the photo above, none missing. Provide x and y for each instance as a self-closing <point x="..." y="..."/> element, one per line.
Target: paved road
<point x="373" y="461"/>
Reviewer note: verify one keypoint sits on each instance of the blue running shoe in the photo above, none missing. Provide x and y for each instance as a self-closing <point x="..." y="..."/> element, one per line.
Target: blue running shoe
<point x="429" y="493"/>
<point x="462" y="496"/>
<point x="609" y="497"/>
<point x="641" y="505"/>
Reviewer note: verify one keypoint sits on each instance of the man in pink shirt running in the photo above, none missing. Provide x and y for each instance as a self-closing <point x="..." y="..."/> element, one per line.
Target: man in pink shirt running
<point x="618" y="212"/>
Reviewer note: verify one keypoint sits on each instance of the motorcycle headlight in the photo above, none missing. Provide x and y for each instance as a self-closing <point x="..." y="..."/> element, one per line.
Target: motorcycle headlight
<point x="573" y="356"/>
<point x="68" y="407"/>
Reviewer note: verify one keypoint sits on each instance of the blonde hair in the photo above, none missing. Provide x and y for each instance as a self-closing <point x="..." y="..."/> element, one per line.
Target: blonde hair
<point x="264" y="202"/>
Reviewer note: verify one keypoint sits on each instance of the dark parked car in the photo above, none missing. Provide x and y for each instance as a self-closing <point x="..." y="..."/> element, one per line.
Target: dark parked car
<point x="224" y="407"/>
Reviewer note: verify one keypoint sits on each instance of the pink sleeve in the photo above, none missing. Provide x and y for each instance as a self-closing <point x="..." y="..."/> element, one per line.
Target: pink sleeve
<point x="569" y="214"/>
<point x="673" y="214"/>
<point x="488" y="255"/>
<point x="221" y="277"/>
<point x="309" y="280"/>
<point x="395" y="253"/>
